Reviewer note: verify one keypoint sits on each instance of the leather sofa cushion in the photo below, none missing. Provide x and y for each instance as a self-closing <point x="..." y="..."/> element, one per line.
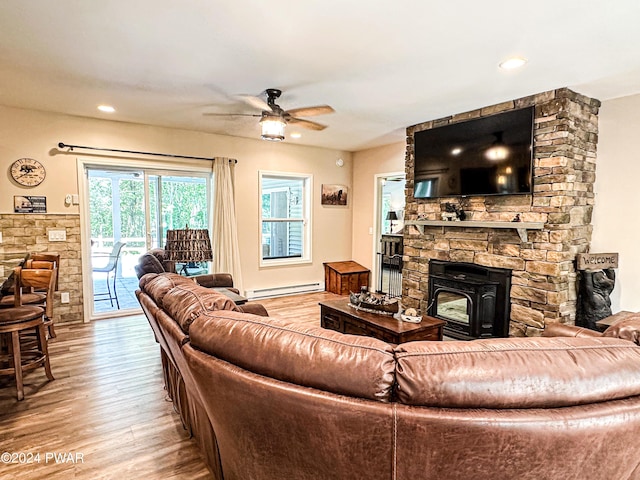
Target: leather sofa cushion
<point x="562" y="330"/>
<point x="187" y="302"/>
<point x="517" y="372"/>
<point x="148" y="263"/>
<point x="158" y="285"/>
<point x="212" y="280"/>
<point x="309" y="356"/>
<point x="161" y="255"/>
<point x="628" y="329"/>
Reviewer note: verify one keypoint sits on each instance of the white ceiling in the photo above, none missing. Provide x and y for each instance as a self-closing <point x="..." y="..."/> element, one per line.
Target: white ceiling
<point x="383" y="65"/>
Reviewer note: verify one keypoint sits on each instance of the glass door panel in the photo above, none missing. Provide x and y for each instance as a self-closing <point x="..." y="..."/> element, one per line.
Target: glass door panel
<point x="117" y="224"/>
<point x="183" y="204"/>
<point x="136" y="208"/>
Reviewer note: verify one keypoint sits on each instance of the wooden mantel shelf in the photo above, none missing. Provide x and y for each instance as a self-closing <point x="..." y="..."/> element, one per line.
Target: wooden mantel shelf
<point x="520" y="227"/>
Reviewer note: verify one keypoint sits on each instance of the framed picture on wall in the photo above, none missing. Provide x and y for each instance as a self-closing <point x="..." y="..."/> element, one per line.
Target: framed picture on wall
<point x="29" y="204"/>
<point x="333" y="194"/>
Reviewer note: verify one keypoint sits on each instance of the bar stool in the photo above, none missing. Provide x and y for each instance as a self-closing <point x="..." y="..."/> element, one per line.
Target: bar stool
<point x="14" y="321"/>
<point x="40" y="294"/>
<point x="46" y="257"/>
<point x="26" y="318"/>
<point x="49" y="261"/>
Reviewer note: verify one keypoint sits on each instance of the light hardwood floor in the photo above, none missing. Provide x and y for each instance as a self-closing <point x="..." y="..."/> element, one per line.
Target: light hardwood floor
<point x="107" y="406"/>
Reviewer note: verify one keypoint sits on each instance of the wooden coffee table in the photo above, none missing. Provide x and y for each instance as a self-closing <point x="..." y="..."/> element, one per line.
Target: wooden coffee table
<point x="338" y="315"/>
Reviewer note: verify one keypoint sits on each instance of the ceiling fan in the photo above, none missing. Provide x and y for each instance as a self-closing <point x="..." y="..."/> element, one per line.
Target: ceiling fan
<point x="274" y="119"/>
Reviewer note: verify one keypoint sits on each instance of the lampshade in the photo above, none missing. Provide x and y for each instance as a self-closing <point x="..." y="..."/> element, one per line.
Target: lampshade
<point x="188" y="245"/>
<point x="272" y="127"/>
<point x="392" y="215"/>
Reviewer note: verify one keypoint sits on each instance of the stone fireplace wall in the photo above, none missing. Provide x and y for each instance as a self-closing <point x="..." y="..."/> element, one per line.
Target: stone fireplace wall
<point x="543" y="268"/>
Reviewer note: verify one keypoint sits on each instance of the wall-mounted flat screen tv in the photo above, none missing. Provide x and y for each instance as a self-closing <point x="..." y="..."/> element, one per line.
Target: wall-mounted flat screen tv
<point x="484" y="156"/>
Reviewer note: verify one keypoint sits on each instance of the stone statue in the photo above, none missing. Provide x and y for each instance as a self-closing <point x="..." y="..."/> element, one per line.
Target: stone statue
<point x="594" y="303"/>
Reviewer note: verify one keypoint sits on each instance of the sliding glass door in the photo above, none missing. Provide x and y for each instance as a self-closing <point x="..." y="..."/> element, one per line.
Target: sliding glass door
<point x="130" y="211"/>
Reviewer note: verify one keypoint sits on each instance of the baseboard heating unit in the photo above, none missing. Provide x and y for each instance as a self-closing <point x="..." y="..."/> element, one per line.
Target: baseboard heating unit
<point x="289" y="290"/>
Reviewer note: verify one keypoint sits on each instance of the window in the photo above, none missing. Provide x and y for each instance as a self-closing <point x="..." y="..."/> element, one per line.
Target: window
<point x="285" y="218"/>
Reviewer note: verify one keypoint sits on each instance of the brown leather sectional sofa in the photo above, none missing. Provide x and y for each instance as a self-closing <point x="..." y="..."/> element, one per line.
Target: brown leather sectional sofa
<point x="267" y="398"/>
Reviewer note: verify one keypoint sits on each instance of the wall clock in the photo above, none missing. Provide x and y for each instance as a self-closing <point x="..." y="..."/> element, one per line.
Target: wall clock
<point x="28" y="172"/>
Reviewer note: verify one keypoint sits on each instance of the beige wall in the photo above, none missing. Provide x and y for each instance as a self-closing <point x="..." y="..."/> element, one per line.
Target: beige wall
<point x="616" y="218"/>
<point x="27" y="133"/>
<point x="366" y="165"/>
<point x="339" y="233"/>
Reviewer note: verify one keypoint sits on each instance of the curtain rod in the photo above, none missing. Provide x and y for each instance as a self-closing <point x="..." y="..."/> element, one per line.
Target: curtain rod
<point x="170" y="155"/>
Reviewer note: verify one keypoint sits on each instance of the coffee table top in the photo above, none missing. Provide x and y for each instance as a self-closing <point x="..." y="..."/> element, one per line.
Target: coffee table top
<point x="385" y="322"/>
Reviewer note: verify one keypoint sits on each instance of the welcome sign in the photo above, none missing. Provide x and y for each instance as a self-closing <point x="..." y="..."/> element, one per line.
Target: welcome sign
<point x="597" y="261"/>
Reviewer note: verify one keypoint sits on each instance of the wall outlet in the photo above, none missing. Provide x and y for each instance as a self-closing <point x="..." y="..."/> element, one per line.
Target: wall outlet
<point x="57" y="235"/>
<point x="64" y="297"/>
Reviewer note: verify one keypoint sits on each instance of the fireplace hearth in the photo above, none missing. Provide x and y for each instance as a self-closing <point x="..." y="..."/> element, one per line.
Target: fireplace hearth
<point x="472" y="299"/>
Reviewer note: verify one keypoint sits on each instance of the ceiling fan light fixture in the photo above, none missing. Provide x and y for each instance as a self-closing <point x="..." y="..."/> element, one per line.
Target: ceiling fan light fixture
<point x="498" y="150"/>
<point x="272" y="128"/>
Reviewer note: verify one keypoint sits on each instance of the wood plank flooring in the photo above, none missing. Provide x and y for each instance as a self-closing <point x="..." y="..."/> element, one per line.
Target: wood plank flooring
<point x="301" y="308"/>
<point x="107" y="406"/>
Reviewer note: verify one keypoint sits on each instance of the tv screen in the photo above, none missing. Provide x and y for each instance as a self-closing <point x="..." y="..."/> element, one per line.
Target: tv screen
<point x="485" y="156"/>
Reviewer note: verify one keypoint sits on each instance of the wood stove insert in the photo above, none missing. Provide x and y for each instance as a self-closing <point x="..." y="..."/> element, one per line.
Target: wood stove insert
<point x="473" y="299"/>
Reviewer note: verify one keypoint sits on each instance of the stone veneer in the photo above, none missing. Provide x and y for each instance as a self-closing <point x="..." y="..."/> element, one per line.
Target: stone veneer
<point x="544" y="277"/>
<point x="30" y="233"/>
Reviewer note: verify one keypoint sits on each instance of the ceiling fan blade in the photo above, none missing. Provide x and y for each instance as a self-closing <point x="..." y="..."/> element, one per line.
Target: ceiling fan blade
<point x="310" y="111"/>
<point x="231" y="114"/>
<point x="306" y="123"/>
<point x="255" y="102"/>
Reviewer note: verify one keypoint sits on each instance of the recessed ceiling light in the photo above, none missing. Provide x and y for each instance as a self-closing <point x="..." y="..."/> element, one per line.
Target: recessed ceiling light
<point x="295" y="135"/>
<point x="456" y="151"/>
<point x="512" y="63"/>
<point x="106" y="108"/>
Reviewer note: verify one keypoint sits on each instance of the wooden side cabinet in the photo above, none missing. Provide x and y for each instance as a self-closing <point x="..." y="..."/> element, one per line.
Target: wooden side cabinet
<point x="345" y="277"/>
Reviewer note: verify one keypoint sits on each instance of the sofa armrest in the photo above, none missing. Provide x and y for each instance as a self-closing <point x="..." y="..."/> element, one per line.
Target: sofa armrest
<point x="562" y="330"/>
<point x="254" y="308"/>
<point x="214" y="280"/>
<point x="627" y="329"/>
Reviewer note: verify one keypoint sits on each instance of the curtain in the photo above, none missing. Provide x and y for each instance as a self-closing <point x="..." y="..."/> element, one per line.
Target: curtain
<point x="226" y="253"/>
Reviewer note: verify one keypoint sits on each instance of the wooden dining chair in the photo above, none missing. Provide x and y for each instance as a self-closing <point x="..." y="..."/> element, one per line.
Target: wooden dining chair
<point x="47" y="257"/>
<point x="48" y="261"/>
<point x="20" y="319"/>
<point x="41" y="295"/>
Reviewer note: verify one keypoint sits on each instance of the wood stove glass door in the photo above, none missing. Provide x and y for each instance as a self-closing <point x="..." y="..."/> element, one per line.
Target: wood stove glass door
<point x="452" y="306"/>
